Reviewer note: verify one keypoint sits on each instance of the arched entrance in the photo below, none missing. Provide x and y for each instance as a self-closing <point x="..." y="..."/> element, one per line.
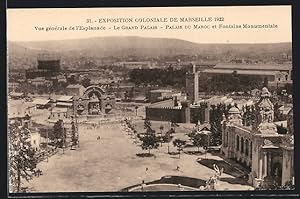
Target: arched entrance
<point x="108" y="108"/>
<point x="276" y="172"/>
<point x="94" y="102"/>
<point x="94" y="93"/>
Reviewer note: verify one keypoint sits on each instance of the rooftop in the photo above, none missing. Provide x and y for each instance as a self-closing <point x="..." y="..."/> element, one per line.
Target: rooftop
<point x="41" y="101"/>
<point x="15" y="94"/>
<point x="161" y="91"/>
<point x="65" y="98"/>
<point x="240" y="71"/>
<point x="161" y="104"/>
<point x="254" y="67"/>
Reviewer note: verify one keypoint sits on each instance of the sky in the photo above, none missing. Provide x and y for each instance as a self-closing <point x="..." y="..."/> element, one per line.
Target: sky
<point x="21" y="23"/>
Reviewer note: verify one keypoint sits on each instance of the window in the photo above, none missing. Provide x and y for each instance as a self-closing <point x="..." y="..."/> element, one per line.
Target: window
<point x="242" y="145"/>
<point x="247" y="148"/>
<point x="226" y="139"/>
<point x="250" y="152"/>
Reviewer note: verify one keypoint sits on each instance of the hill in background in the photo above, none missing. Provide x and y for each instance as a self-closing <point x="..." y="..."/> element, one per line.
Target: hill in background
<point x="23" y="55"/>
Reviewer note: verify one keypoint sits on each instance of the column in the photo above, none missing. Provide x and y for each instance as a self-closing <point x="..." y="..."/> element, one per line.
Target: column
<point x="260" y="168"/>
<point x="265" y="164"/>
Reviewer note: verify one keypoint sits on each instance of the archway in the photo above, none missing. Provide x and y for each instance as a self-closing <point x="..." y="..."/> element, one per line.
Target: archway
<point x="276" y="172"/>
<point x="93" y="94"/>
<point x="108" y="108"/>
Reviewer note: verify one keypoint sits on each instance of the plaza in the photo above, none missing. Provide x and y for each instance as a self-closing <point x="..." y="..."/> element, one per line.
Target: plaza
<point x="111" y="164"/>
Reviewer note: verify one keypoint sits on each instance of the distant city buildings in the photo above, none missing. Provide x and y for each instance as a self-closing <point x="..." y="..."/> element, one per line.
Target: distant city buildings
<point x="279" y="73"/>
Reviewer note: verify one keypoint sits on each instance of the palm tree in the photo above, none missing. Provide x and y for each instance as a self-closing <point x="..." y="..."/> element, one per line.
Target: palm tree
<point x="179" y="144"/>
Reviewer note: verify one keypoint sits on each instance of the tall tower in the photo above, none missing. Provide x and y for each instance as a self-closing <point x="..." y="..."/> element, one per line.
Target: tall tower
<point x="192" y="84"/>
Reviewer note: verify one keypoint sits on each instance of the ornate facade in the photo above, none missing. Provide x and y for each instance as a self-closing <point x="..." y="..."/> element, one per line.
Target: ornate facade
<point x="94" y="101"/>
<point x="268" y="154"/>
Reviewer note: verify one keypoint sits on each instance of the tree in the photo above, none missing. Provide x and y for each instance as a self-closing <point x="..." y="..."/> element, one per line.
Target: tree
<point x="86" y="82"/>
<point x="216" y="117"/>
<point x="174" y="125"/>
<point x="74" y="135"/>
<point x="149" y="141"/>
<point x="71" y="80"/>
<point x="199" y="140"/>
<point x="58" y="135"/>
<point x="161" y="128"/>
<point x="22" y="160"/>
<point x="179" y="144"/>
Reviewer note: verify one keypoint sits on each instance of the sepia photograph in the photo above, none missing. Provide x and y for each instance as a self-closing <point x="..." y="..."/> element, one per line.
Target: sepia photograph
<point x="185" y="99"/>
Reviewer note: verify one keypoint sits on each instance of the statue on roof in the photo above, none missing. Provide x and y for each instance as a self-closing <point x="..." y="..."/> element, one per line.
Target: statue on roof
<point x="94" y="96"/>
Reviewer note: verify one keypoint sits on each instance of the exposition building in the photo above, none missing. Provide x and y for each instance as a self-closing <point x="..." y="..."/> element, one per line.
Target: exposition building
<point x="268" y="154"/>
<point x="277" y="75"/>
<point x="92" y="101"/>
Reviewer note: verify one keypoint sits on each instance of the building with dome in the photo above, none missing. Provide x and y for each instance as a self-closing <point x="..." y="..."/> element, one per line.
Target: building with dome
<point x="268" y="154"/>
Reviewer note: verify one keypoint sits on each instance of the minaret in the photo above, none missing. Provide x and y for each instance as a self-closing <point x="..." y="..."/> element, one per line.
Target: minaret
<point x="192" y="84"/>
<point x="266" y="107"/>
<point x="266" y="111"/>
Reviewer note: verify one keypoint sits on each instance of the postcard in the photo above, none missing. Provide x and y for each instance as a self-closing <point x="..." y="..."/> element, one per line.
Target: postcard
<point x="150" y="99"/>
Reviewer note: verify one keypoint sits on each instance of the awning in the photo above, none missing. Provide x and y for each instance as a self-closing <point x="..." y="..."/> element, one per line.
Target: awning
<point x="63" y="104"/>
<point x="59" y="110"/>
<point x="41" y="101"/>
<point x="65" y="98"/>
